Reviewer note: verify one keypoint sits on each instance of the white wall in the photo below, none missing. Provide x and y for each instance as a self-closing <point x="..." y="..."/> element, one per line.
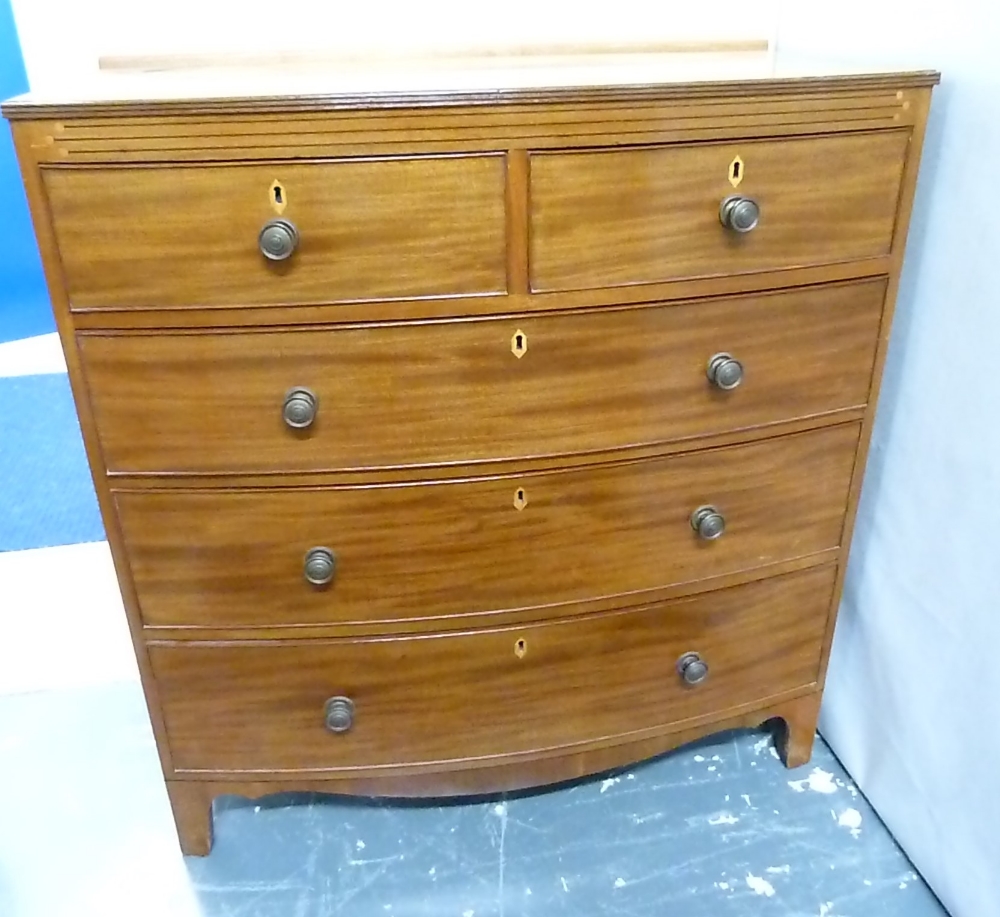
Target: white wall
<point x="913" y="697"/>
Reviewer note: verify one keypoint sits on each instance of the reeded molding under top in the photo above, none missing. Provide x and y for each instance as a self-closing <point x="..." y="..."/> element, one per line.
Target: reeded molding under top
<point x="288" y="84"/>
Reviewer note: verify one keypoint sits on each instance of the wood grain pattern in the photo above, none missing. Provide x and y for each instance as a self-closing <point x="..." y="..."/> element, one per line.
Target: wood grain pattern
<point x="192" y="794"/>
<point x="191" y="804"/>
<point x="798" y="733"/>
<point x="582" y="217"/>
<point x="699" y="89"/>
<point x="517" y="207"/>
<point x="235" y="138"/>
<point x="487" y="469"/>
<point x="587" y="681"/>
<point x="520" y="616"/>
<point x="234" y="558"/>
<point x="369" y="229"/>
<point x="609" y="218"/>
<point x="776" y="712"/>
<point x="440" y="393"/>
<point x="417" y="309"/>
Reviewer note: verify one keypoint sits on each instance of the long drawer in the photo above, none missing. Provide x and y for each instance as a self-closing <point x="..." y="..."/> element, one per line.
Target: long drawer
<point x="425" y="551"/>
<point x="604" y="218"/>
<point x="471" y="391"/>
<point x="183" y="236"/>
<point x="503" y="692"/>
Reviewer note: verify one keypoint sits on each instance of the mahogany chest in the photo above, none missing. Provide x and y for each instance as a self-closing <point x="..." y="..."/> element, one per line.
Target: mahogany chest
<point x="465" y="441"/>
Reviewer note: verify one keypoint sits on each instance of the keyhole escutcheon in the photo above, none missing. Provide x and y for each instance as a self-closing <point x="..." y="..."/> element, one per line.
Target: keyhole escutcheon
<point x="520" y="498"/>
<point x="519" y="344"/>
<point x="278" y="196"/>
<point x="737" y="170"/>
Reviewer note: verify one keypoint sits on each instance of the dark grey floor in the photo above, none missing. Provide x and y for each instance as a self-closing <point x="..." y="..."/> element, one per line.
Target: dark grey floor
<point x="717" y="829"/>
<point x="721" y="829"/>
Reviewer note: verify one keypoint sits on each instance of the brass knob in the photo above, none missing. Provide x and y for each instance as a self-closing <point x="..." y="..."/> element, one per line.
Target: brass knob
<point x="320" y="566"/>
<point x="339" y="713"/>
<point x="277" y="240"/>
<point x="739" y="213"/>
<point x="300" y="407"/>
<point x="724" y="371"/>
<point x="692" y="669"/>
<point x="708" y="522"/>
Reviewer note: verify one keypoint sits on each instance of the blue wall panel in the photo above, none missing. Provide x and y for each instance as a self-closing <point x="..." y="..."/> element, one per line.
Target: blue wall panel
<point x="24" y="302"/>
<point x="47" y="495"/>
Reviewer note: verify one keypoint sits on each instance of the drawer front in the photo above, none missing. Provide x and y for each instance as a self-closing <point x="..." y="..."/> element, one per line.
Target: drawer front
<point x="456" y="698"/>
<point x="427" y="394"/>
<point x="610" y="218"/>
<point x="419" y="552"/>
<point x="368" y="229"/>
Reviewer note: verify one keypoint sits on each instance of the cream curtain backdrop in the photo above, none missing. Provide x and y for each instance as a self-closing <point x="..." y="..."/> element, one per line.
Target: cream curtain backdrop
<point x="913" y="696"/>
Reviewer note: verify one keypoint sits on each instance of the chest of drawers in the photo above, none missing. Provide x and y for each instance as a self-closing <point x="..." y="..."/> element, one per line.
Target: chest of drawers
<point x="456" y="442"/>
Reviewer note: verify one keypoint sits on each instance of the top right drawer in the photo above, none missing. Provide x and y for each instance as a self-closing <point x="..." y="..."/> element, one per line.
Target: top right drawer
<point x="606" y="218"/>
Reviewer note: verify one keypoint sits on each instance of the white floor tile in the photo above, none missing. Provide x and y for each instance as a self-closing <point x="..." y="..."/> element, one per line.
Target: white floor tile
<point x="62" y="620"/>
<point x="32" y="356"/>
<point x="85" y="825"/>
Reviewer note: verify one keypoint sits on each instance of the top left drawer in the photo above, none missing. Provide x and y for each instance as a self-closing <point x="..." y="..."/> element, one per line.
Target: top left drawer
<point x="367" y="229"/>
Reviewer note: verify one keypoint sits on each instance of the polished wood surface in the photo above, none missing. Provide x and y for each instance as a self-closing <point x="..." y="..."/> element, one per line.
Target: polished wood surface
<point x="321" y="316"/>
<point x="431" y="394"/>
<point x="685" y="78"/>
<point x="369" y="229"/>
<point x="609" y="218"/>
<point x="191" y="804"/>
<point x="797" y="733"/>
<point x="586" y="219"/>
<point x="586" y="681"/>
<point x="791" y="717"/>
<point x="231" y="558"/>
<point x="609" y="120"/>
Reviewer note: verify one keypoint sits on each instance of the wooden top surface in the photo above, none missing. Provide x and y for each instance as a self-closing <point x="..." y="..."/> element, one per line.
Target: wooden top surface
<point x="246" y="84"/>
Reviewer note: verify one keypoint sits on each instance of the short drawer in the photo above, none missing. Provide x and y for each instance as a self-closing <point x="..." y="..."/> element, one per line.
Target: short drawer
<point x="466" y="697"/>
<point x="175" y="236"/>
<point x="609" y="218"/>
<point x="419" y="552"/>
<point x="430" y="394"/>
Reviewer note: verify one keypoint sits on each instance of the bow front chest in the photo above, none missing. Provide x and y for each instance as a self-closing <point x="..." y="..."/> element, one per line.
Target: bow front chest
<point x="456" y="442"/>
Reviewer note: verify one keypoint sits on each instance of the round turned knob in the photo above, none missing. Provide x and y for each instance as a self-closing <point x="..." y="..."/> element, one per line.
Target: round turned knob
<point x="739" y="213"/>
<point x="692" y="669"/>
<point x="300" y="406"/>
<point x="339" y="714"/>
<point x="278" y="239"/>
<point x="708" y="522"/>
<point x="724" y="371"/>
<point x="320" y="566"/>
